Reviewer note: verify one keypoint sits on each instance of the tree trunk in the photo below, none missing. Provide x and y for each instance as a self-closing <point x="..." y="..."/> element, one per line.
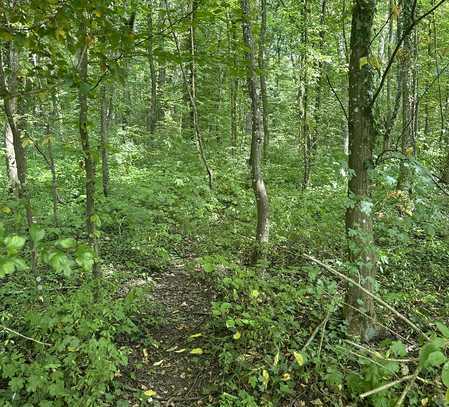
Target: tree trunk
<point x="408" y="88"/>
<point x="10" y="105"/>
<point x="233" y="80"/>
<point x="187" y="123"/>
<point x="51" y="162"/>
<point x="303" y="101"/>
<point x="89" y="163"/>
<point x="317" y="109"/>
<point x="359" y="224"/>
<point x="263" y="75"/>
<point x="152" y="116"/>
<point x="11" y="164"/>
<point x="106" y="115"/>
<point x="262" y="230"/>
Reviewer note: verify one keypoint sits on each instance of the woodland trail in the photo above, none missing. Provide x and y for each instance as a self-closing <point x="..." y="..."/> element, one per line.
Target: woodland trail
<point x="177" y="366"/>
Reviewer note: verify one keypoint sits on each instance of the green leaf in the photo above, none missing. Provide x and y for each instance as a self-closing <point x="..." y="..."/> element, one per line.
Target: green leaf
<point x="443" y="329"/>
<point x="36" y="234"/>
<point x="436" y="358"/>
<point x="14" y="244"/>
<point x="230" y="323"/>
<point x="68" y="243"/>
<point x="7" y="266"/>
<point x="196" y="351"/>
<point x="398" y="348"/>
<point x="445" y="374"/>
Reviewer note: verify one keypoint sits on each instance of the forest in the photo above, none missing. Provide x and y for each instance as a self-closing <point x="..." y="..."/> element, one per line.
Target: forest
<point x="224" y="203"/>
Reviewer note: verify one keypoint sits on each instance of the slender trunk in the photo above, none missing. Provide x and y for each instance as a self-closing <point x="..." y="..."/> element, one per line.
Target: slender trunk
<point x="161" y="74"/>
<point x="317" y="109"/>
<point x="408" y="67"/>
<point x="303" y="101"/>
<point x="152" y="117"/>
<point x="344" y="126"/>
<point x="359" y="223"/>
<point x="191" y="90"/>
<point x="10" y="105"/>
<point x="11" y="164"/>
<point x="233" y="81"/>
<point x="51" y="162"/>
<point x="187" y="123"/>
<point x="262" y="230"/>
<point x="89" y="163"/>
<point x="263" y="76"/>
<point x="106" y="114"/>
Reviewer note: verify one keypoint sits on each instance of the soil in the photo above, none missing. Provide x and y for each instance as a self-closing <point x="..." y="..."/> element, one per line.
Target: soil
<point x="172" y="359"/>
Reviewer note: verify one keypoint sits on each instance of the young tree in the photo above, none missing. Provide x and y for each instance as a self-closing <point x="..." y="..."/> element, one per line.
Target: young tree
<point x="260" y="192"/>
<point x="89" y="163"/>
<point x="409" y="97"/>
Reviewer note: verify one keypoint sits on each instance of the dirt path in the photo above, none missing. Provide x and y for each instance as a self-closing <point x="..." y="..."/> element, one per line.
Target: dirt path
<point x="176" y="364"/>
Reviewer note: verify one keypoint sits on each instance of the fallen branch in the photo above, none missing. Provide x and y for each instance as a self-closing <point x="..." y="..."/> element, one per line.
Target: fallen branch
<point x="408" y="387"/>
<point x="385" y="386"/>
<point x="23" y="336"/>
<point x="373" y="296"/>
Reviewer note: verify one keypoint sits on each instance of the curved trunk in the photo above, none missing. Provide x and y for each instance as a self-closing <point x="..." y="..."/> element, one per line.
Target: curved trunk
<point x="262" y="230"/>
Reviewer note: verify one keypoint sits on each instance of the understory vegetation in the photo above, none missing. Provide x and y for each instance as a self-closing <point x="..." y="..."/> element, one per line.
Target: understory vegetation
<point x="309" y="268"/>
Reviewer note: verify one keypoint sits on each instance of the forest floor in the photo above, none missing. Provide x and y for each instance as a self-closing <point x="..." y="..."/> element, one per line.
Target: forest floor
<point x="176" y="369"/>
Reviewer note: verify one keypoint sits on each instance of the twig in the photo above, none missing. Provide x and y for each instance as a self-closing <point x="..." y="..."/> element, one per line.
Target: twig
<point x="338" y="98"/>
<point x="23" y="336"/>
<point x="398" y="47"/>
<point x="385" y="386"/>
<point x="378" y="355"/>
<point x="408" y="387"/>
<point x="373" y="296"/>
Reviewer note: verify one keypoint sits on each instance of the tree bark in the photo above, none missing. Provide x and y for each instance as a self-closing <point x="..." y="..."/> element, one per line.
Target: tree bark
<point x="408" y="89"/>
<point x="89" y="163"/>
<point x="11" y="164"/>
<point x="262" y="229"/>
<point x="303" y="100"/>
<point x="263" y="75"/>
<point x="105" y="121"/>
<point x="359" y="223"/>
<point x="153" y="111"/>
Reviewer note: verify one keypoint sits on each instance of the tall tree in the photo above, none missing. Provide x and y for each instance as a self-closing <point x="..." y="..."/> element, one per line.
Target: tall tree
<point x="260" y="192"/>
<point x="89" y="162"/>
<point x="153" y="110"/>
<point x="263" y="73"/>
<point x="360" y="312"/>
<point x="409" y="97"/>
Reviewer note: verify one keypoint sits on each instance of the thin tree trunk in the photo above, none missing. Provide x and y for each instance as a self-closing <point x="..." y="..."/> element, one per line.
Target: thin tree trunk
<point x="303" y="101"/>
<point x="233" y="80"/>
<point x="408" y="67"/>
<point x="11" y="163"/>
<point x="262" y="230"/>
<point x="152" y="117"/>
<point x="191" y="90"/>
<point x="89" y="164"/>
<point x="10" y="104"/>
<point x="106" y="115"/>
<point x="51" y="162"/>
<point x="359" y="223"/>
<point x="317" y="109"/>
<point x="263" y="75"/>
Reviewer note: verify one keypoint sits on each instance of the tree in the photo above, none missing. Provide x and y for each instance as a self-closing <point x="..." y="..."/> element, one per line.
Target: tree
<point x="360" y="312"/>
<point x="89" y="163"/>
<point x="409" y="96"/>
<point x="260" y="192"/>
